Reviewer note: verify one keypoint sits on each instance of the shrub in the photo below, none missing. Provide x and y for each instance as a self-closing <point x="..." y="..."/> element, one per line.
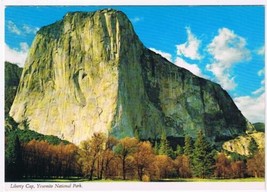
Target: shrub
<point x="145" y="178"/>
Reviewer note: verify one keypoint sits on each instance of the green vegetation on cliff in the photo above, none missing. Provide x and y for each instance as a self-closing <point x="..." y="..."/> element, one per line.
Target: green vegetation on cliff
<point x="260" y="127"/>
<point x="12" y="77"/>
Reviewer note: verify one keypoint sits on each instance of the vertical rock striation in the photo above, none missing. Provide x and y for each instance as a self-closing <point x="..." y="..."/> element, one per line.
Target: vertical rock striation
<point x="90" y="72"/>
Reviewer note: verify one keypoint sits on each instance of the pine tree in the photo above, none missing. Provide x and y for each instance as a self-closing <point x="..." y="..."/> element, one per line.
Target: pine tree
<point x="164" y="147"/>
<point x="179" y="150"/>
<point x="202" y="159"/>
<point x="188" y="149"/>
<point x="188" y="146"/>
<point x="13" y="159"/>
<point x="156" y="148"/>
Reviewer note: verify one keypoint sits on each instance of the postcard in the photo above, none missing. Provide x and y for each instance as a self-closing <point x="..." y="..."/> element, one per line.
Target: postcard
<point x="133" y="97"/>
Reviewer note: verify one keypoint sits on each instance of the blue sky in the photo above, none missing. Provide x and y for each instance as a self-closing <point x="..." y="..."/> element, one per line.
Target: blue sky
<point x="222" y="43"/>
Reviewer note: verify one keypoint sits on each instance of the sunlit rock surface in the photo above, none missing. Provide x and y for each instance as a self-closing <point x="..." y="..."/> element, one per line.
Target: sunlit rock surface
<point x="90" y="72"/>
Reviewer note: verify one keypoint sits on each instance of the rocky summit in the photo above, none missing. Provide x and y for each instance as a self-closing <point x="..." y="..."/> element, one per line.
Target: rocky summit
<point x="89" y="72"/>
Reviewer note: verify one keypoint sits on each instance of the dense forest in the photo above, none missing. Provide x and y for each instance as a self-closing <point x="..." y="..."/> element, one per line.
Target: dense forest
<point x="32" y="155"/>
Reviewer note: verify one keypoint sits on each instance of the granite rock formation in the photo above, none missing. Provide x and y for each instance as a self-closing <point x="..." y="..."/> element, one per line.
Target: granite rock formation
<point x="89" y="72"/>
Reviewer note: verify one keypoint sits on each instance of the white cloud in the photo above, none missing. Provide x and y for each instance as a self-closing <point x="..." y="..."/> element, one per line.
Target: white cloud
<point x="17" y="56"/>
<point x="168" y="56"/>
<point x="261" y="51"/>
<point x="191" y="67"/>
<point x="262" y="88"/>
<point x="223" y="76"/>
<point x="227" y="49"/>
<point x="29" y="29"/>
<point x="261" y="72"/>
<point x="258" y="91"/>
<point x="136" y="19"/>
<point x="26" y="29"/>
<point x="190" y="48"/>
<point x="253" y="108"/>
<point x="13" y="28"/>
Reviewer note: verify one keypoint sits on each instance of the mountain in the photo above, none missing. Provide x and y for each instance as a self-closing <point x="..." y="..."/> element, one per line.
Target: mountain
<point x="12" y="77"/>
<point x="89" y="72"/>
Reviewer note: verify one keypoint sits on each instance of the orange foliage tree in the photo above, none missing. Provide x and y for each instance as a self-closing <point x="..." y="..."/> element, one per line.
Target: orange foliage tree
<point x="256" y="165"/>
<point x="91" y="151"/>
<point x="143" y="157"/>
<point x="44" y="160"/>
<point x="222" y="166"/>
<point x="165" y="166"/>
<point x="238" y="169"/>
<point x="126" y="147"/>
<point x="182" y="166"/>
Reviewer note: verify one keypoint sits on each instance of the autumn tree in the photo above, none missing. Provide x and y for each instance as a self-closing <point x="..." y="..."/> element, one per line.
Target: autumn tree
<point x="256" y="165"/>
<point x="114" y="168"/>
<point x="165" y="165"/>
<point x="238" y="169"/>
<point x="222" y="166"/>
<point x="108" y="156"/>
<point x="91" y="150"/>
<point x="44" y="160"/>
<point x="70" y="153"/>
<point x="143" y="157"/>
<point x="126" y="147"/>
<point x="202" y="157"/>
<point x="182" y="166"/>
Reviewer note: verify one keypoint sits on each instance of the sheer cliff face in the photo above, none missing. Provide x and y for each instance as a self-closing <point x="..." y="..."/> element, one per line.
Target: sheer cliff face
<point x="89" y="72"/>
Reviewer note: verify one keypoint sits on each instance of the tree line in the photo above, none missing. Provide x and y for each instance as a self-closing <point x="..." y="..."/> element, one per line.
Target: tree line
<point x="105" y="157"/>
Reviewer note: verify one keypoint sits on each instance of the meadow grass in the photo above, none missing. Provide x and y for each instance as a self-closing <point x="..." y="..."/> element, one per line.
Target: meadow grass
<point x="250" y="179"/>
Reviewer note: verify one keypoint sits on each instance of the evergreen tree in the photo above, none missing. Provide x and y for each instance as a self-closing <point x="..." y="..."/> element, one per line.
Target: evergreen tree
<point x="10" y="124"/>
<point x="253" y="147"/>
<point x="156" y="148"/>
<point x="188" y="146"/>
<point x="13" y="159"/>
<point x="164" y="147"/>
<point x="188" y="149"/>
<point x="136" y="134"/>
<point x="179" y="150"/>
<point x="25" y="124"/>
<point x="202" y="160"/>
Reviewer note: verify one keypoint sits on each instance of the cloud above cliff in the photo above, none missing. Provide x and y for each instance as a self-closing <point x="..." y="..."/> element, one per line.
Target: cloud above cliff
<point x="252" y="108"/>
<point x="227" y="49"/>
<point x="13" y="28"/>
<point x="17" y="56"/>
<point x="189" y="66"/>
<point x="24" y="29"/>
<point x="167" y="56"/>
<point x="190" y="48"/>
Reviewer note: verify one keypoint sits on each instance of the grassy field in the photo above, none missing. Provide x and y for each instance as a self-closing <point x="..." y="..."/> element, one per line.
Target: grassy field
<point x="251" y="179"/>
<point x="165" y="180"/>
